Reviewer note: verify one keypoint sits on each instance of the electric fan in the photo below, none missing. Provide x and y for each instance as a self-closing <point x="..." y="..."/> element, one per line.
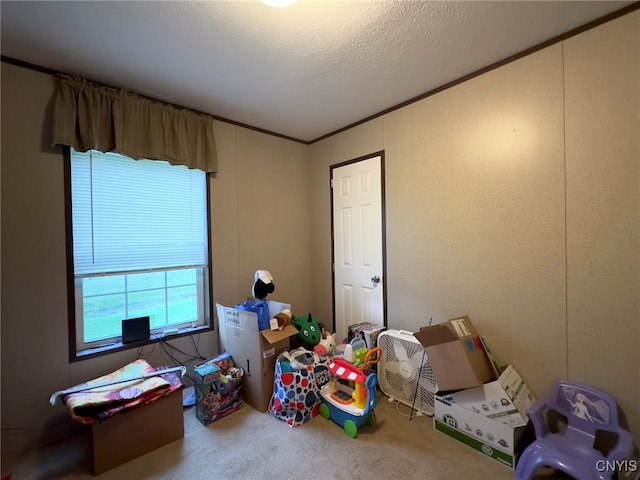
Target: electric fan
<point x="404" y="372"/>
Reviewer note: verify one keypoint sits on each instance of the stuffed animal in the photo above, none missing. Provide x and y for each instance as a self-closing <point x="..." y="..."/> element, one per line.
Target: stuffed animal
<point x="281" y="320"/>
<point x="262" y="284"/>
<point x="327" y="344"/>
<point x="308" y="329"/>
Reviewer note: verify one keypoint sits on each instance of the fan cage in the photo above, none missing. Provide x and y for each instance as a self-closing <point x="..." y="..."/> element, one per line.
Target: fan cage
<point x="404" y="371"/>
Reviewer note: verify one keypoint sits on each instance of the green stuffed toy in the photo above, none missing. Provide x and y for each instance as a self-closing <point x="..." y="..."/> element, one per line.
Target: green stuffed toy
<point x="309" y="331"/>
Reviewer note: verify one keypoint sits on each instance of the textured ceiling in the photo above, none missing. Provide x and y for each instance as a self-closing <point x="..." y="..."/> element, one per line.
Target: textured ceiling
<point x="301" y="72"/>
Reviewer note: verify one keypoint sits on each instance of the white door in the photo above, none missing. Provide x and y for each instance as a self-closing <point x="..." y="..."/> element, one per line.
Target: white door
<point x="358" y="244"/>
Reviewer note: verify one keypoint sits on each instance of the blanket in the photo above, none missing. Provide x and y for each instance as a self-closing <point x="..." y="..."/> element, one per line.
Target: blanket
<point x="100" y="403"/>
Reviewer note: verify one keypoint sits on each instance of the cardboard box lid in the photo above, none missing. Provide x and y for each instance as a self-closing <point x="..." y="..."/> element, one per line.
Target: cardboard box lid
<point x="435" y="335"/>
<point x="506" y="400"/>
<point x="455" y="329"/>
<point x="274" y="336"/>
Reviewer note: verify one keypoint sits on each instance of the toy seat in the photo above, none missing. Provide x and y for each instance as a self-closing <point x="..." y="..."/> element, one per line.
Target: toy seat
<point x="578" y="432"/>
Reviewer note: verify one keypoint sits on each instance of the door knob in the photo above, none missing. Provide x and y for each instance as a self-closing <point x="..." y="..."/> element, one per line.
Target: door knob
<point x="375" y="279"/>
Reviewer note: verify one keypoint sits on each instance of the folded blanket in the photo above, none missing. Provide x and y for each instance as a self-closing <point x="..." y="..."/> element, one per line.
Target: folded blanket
<point x="100" y="403"/>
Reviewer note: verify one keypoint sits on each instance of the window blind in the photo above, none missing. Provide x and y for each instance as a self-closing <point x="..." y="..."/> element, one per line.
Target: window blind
<point x="136" y="215"/>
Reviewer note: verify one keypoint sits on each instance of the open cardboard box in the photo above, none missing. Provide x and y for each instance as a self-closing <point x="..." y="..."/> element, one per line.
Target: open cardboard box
<point x="490" y="418"/>
<point x="253" y="349"/>
<point x="456" y="354"/>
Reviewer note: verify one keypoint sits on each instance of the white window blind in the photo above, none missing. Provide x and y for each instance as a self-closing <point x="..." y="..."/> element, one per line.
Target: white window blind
<point x="123" y="224"/>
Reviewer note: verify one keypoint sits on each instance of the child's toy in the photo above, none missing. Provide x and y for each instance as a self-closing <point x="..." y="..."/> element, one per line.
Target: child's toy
<point x="348" y="355"/>
<point x="308" y="329"/>
<point x="360" y="356"/>
<point x="217" y="388"/>
<point x="327" y="344"/>
<point x="281" y="320"/>
<point x="353" y="352"/>
<point x="351" y="407"/>
<point x="357" y="344"/>
<point x="262" y="284"/>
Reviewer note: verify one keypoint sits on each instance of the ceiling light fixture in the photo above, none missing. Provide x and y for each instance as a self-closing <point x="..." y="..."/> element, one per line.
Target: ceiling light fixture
<point x="279" y="3"/>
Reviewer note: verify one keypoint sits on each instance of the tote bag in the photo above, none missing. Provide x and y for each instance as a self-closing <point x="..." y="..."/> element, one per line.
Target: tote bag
<point x="261" y="308"/>
<point x="299" y="376"/>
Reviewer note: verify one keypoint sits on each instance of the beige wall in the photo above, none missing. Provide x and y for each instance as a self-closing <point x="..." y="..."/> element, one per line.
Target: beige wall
<point x="259" y="210"/>
<point x="486" y="237"/>
<point x="515" y="198"/>
<point x="602" y="102"/>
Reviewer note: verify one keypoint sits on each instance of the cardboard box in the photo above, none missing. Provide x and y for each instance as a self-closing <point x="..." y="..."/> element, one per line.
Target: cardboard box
<point x="490" y="419"/>
<point x="217" y="388"/>
<point x="136" y="432"/>
<point x="367" y="331"/>
<point x="253" y="350"/>
<point x="456" y="354"/>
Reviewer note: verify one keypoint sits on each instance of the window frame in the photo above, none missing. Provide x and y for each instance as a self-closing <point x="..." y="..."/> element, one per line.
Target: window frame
<point x="77" y="355"/>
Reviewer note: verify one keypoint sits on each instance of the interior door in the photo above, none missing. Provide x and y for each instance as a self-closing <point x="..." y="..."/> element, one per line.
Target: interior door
<point x="358" y="243"/>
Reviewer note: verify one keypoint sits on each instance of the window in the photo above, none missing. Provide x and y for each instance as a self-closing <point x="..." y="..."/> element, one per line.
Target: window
<point x="139" y="236"/>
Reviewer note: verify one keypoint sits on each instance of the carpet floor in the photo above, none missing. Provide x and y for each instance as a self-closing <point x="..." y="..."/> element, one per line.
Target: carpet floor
<point x="249" y="444"/>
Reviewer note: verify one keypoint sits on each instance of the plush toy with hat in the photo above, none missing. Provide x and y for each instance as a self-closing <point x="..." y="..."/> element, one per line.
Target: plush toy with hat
<point x="262" y="284"/>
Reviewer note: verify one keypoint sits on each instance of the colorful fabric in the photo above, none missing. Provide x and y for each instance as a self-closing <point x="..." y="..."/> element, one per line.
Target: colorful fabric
<point x="96" y="405"/>
<point x="299" y="377"/>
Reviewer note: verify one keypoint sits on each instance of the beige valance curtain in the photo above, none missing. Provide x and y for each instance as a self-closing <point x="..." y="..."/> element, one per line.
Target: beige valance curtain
<point x="90" y="116"/>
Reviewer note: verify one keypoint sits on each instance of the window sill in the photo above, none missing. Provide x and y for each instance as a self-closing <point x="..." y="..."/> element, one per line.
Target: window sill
<point x="119" y="346"/>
